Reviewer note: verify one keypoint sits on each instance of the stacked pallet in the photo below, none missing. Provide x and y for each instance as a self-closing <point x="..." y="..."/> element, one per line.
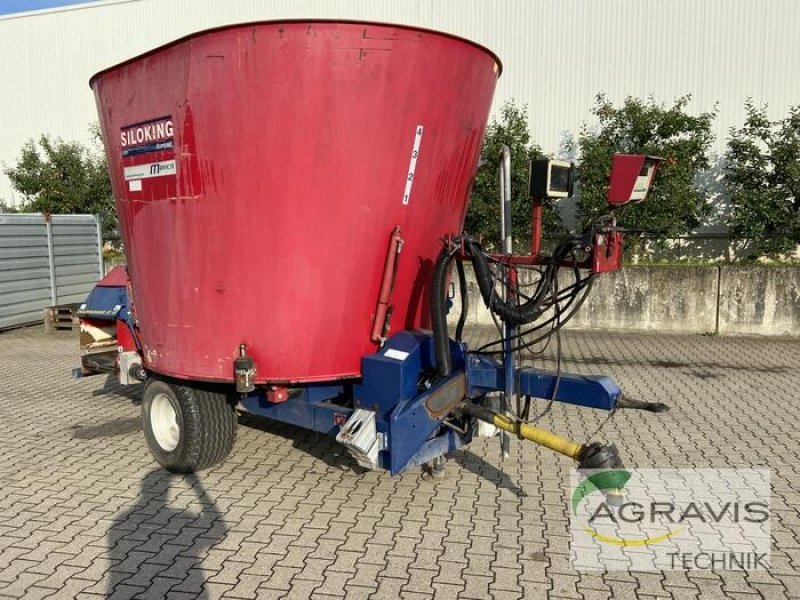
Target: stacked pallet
<point x="64" y="316"/>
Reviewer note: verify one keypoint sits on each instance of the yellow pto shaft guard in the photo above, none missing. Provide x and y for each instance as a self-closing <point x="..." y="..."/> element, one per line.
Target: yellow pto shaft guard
<point x="588" y="456"/>
<point x="539" y="436"/>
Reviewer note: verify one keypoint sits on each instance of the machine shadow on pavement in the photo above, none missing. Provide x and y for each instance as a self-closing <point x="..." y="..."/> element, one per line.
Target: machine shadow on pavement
<point x="475" y="464"/>
<point x="111" y="386"/>
<point x="159" y="542"/>
<point x="328" y="450"/>
<point x="320" y="446"/>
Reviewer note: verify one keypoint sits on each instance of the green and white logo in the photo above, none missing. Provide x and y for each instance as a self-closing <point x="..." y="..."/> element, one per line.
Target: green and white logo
<point x="655" y="519"/>
<point x="611" y="483"/>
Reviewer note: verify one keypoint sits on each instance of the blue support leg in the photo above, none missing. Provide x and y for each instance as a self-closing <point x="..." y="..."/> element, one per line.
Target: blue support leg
<point x="415" y="422"/>
<point x="446" y="441"/>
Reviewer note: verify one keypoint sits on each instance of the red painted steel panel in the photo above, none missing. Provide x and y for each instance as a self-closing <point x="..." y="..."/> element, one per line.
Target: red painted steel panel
<point x="259" y="170"/>
<point x="116" y="277"/>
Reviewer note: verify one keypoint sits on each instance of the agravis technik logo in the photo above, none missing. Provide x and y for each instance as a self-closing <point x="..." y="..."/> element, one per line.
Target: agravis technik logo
<point x="611" y="483"/>
<point x="670" y="519"/>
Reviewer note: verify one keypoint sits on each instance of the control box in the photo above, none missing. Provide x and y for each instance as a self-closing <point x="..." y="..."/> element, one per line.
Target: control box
<point x="551" y="179"/>
<point x="631" y="178"/>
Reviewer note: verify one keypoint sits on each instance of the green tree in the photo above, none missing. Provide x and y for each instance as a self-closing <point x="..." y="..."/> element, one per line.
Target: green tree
<point x="762" y="176"/>
<point x="483" y="216"/>
<point x="64" y="177"/>
<point x="676" y="203"/>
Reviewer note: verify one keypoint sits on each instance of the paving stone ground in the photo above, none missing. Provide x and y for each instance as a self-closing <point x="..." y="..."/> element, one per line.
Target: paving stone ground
<point x="86" y="513"/>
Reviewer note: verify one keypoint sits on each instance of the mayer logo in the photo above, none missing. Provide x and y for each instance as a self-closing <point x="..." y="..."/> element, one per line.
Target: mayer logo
<point x="145" y="171"/>
<point x="154" y="135"/>
<point x="162" y="168"/>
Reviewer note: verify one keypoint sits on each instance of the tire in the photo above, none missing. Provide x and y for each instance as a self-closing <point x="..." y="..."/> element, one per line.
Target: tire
<point x="187" y="429"/>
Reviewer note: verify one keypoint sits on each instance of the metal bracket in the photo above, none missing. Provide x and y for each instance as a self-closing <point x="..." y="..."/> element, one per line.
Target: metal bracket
<point x="361" y="438"/>
<point x="127" y="361"/>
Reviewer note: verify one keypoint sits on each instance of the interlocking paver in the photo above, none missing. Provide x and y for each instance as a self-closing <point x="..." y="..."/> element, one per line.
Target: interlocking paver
<point x="389" y="587"/>
<point x="354" y="592"/>
<point x="85" y="512"/>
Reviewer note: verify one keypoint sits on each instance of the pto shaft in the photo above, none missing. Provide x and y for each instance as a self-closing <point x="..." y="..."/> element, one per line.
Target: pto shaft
<point x="539" y="436"/>
<point x="589" y="456"/>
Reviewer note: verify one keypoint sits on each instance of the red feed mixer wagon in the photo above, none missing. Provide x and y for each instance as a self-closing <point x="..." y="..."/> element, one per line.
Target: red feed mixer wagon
<point x="291" y="197"/>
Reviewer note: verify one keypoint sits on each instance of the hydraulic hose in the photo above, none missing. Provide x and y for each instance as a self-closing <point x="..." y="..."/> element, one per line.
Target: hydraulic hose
<point x="507" y="311"/>
<point x="464" y="294"/>
<point x="521" y="314"/>
<point x="512" y="313"/>
<point x="441" y="343"/>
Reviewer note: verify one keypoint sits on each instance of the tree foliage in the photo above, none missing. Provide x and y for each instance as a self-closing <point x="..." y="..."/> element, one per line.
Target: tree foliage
<point x="762" y="176"/>
<point x="483" y="216"/>
<point x="676" y="203"/>
<point x="61" y="177"/>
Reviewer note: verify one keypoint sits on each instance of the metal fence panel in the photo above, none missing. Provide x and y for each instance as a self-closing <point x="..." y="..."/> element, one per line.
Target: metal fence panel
<point x="46" y="262"/>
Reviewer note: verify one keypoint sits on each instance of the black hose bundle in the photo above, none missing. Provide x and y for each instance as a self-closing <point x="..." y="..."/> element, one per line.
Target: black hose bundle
<point x="510" y="311"/>
<point x="441" y="343"/>
<point x="462" y="287"/>
<point x="516" y="314"/>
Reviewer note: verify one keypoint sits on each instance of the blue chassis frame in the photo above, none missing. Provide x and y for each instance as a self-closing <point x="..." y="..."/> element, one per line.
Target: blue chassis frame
<point x="397" y="383"/>
<point x="391" y="386"/>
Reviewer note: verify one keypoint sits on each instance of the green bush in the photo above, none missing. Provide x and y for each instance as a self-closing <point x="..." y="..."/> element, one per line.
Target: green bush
<point x="676" y="204"/>
<point x="61" y="177"/>
<point x="483" y="216"/>
<point x="762" y="176"/>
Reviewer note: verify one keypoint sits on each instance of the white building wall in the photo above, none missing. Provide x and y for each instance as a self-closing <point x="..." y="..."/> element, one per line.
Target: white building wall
<point x="557" y="54"/>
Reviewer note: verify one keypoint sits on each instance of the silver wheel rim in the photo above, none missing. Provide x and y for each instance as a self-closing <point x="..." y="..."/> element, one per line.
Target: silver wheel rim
<point x="164" y="423"/>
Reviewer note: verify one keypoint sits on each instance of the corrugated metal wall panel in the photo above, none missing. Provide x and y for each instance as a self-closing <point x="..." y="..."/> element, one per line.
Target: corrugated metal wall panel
<point x="76" y="242"/>
<point x="557" y="55"/>
<point x="25" y="283"/>
<point x="14" y="241"/>
<point x="12" y="276"/>
<point x="21" y="301"/>
<point x="76" y="270"/>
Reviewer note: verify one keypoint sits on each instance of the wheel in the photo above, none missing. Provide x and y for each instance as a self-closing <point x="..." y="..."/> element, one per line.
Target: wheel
<point x="187" y="429"/>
